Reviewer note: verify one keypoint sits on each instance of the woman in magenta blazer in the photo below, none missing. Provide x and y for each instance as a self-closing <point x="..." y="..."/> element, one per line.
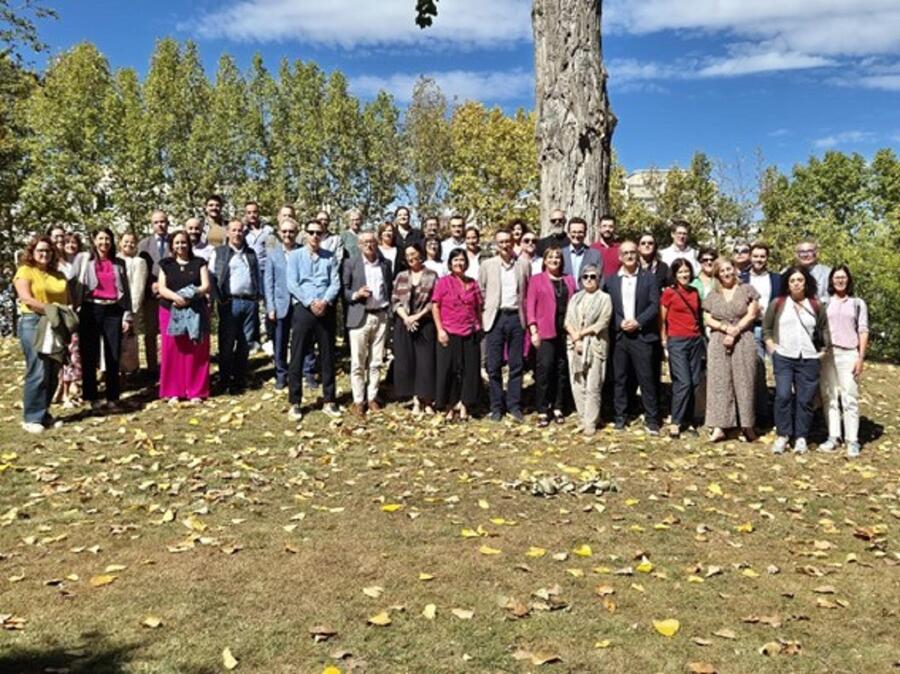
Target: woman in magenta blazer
<point x="545" y="311"/>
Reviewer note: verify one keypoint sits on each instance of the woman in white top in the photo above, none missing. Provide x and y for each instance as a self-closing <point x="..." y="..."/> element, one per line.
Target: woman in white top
<point x="796" y="333"/>
<point x="433" y="256"/>
<point x="136" y="271"/>
<point x="386" y="245"/>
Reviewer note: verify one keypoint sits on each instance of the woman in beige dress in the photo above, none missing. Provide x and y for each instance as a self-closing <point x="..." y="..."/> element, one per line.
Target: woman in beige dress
<point x="730" y="309"/>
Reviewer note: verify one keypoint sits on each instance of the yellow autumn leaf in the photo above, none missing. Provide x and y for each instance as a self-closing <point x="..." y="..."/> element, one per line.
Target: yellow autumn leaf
<point x="694" y="579"/>
<point x="583" y="550"/>
<point x="113" y="568"/>
<point x="745" y="528"/>
<point x="714" y="488"/>
<point x="104" y="579"/>
<point x="228" y="660"/>
<point x="646" y="566"/>
<point x="484" y="505"/>
<point x="488" y="550"/>
<point x="606" y="643"/>
<point x="429" y="611"/>
<point x="632" y="501"/>
<point x="151" y="621"/>
<point x="535" y="552"/>
<point x="469" y="533"/>
<point x="749" y="573"/>
<point x="391" y="507"/>
<point x="381" y="619"/>
<point x="330" y="669"/>
<point x="425" y="576"/>
<point x="668" y="627"/>
<point x="194" y="421"/>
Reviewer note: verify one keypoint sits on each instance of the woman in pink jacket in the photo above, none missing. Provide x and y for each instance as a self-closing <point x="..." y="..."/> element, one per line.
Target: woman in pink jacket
<point x="545" y="311"/>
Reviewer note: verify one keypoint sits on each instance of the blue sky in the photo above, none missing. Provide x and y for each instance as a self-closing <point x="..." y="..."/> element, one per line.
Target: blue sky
<point x="790" y="78"/>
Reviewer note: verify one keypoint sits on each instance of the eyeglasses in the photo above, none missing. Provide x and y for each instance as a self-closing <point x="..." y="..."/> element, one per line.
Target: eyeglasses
<point x="314" y="232"/>
<point x="288" y="231"/>
<point x="529" y="239"/>
<point x="629" y="253"/>
<point x="706" y="260"/>
<point x="648" y="243"/>
<point x="589" y="277"/>
<point x="806" y="252"/>
<point x="741" y="251"/>
<point x="557" y="221"/>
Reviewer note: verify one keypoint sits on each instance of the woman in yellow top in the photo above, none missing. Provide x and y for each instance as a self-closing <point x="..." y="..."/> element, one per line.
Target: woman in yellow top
<point x="38" y="283"/>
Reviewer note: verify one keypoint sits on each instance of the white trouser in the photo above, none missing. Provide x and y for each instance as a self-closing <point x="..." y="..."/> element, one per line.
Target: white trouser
<point x="586" y="387"/>
<point x="367" y="344"/>
<point x="839" y="390"/>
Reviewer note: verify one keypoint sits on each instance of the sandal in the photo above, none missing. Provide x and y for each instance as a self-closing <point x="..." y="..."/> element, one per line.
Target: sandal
<point x="558" y="417"/>
<point x="543" y="421"/>
<point x="716" y="435"/>
<point x="674" y="431"/>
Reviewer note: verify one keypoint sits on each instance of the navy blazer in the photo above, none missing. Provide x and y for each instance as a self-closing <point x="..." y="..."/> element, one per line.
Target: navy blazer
<point x="774" y="283"/>
<point x="646" y="305"/>
<point x="590" y="256"/>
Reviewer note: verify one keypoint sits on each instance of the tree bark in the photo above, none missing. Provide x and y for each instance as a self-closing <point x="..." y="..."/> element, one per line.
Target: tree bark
<point x="575" y="123"/>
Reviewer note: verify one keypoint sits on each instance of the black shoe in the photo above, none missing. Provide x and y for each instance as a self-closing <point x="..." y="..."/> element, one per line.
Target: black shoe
<point x="310" y="382"/>
<point x="619" y="425"/>
<point x="517" y="416"/>
<point x="496" y="416"/>
<point x="652" y="430"/>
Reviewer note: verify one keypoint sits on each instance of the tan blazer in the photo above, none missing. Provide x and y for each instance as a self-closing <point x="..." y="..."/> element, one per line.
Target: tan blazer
<point x="489" y="280"/>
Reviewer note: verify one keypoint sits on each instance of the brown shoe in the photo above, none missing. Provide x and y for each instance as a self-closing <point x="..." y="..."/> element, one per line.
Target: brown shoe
<point x="358" y="410"/>
<point x="375" y="406"/>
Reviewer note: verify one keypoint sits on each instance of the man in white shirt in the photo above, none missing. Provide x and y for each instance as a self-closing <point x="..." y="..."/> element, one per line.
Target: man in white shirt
<point x="456" y="239"/>
<point x="681" y="232"/>
<point x="367" y="286"/>
<point x="767" y="284"/>
<point x="808" y="258"/>
<point x="194" y="229"/>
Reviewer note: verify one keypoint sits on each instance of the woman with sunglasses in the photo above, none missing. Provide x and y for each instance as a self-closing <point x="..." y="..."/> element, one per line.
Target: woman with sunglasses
<point x="456" y="306"/>
<point x="650" y="262"/>
<point x="432" y="261"/>
<point x="104" y="307"/>
<point x="546" y="304"/>
<point x="681" y="335"/>
<point x="528" y="251"/>
<point x="705" y="280"/>
<point x="730" y="310"/>
<point x="38" y="283"/>
<point x="587" y="325"/>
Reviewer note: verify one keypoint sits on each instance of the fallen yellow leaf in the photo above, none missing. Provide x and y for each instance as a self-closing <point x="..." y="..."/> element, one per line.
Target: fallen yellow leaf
<point x="583" y="550"/>
<point x="488" y="550"/>
<point x="535" y="552"/>
<point x="668" y="627"/>
<point x="381" y="619"/>
<point x="391" y="507"/>
<point x="105" y="579"/>
<point x="429" y="611"/>
<point x="228" y="660"/>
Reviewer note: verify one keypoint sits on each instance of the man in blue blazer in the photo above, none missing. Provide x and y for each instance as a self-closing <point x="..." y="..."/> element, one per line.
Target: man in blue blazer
<point x="634" y="331"/>
<point x="278" y="299"/>
<point x="576" y="255"/>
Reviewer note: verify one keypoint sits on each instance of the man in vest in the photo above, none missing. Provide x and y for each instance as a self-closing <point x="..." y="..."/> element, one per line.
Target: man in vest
<point x="153" y="249"/>
<point x="236" y="289"/>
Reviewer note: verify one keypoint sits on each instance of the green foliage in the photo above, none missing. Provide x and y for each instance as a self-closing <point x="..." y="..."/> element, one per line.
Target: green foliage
<point x="18" y="31"/>
<point x="493" y="165"/>
<point x="427" y="147"/>
<point x="850" y="207"/>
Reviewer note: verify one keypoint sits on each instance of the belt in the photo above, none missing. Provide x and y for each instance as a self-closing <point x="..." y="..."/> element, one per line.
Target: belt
<point x="376" y="311"/>
<point x="509" y="311"/>
<point x="101" y="301"/>
<point x="243" y="297"/>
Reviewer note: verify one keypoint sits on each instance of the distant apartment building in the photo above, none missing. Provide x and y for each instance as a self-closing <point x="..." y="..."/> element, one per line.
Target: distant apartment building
<point x="645" y="185"/>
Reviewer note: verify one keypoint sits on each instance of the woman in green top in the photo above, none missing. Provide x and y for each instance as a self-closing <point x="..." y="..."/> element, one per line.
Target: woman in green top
<point x="705" y="279"/>
<point x="38" y="283"/>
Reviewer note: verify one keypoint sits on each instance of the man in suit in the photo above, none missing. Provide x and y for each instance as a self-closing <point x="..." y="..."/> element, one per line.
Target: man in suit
<point x="153" y="249"/>
<point x="278" y="300"/>
<point x="234" y="273"/>
<point x="504" y="282"/>
<point x="576" y="255"/>
<point x="768" y="285"/>
<point x="635" y="330"/>
<point x="367" y="286"/>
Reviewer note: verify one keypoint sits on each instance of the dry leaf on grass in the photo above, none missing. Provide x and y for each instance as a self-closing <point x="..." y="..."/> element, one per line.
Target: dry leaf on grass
<point x="430" y="611"/>
<point x="668" y="627"/>
<point x="152" y="622"/>
<point x="375" y="591"/>
<point x="702" y="668"/>
<point x="322" y="632"/>
<point x="104" y="579"/>
<point x="380" y="619"/>
<point x="228" y="660"/>
<point x="536" y="659"/>
<point x="462" y="613"/>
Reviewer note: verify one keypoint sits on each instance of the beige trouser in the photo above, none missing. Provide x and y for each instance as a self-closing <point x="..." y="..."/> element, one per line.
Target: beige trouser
<point x="840" y="390"/>
<point x="367" y="344"/>
<point x="586" y="388"/>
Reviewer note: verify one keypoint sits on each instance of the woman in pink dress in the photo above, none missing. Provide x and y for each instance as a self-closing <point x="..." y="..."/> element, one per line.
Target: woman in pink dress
<point x="183" y="290"/>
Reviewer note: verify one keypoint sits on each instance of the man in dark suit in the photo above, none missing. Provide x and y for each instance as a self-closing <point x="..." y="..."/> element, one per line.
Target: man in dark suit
<point x="577" y="255"/>
<point x="634" y="331"/>
<point x="768" y="285"/>
<point x="557" y="236"/>
<point x="153" y="249"/>
<point x="367" y="284"/>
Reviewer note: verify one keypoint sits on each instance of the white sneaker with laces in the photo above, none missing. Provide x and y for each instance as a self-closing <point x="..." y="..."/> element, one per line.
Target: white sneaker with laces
<point x="800" y="446"/>
<point x="829" y="446"/>
<point x="780" y="445"/>
<point x="331" y="410"/>
<point x="294" y="414"/>
<point x="32" y="427"/>
<point x="852" y="450"/>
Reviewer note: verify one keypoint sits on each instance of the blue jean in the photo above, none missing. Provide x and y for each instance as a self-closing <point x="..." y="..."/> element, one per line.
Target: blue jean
<point x="282" y="338"/>
<point x="796" y="383"/>
<point x="686" y="369"/>
<point x="41" y="374"/>
<point x="506" y="335"/>
<point x="236" y="320"/>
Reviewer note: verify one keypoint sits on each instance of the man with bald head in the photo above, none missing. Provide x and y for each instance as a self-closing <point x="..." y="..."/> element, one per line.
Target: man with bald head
<point x="558" y="236"/>
<point x="194" y="229"/>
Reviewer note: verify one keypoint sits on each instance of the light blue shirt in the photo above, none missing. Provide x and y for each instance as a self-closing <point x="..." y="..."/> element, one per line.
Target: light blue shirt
<point x="313" y="276"/>
<point x="239" y="282"/>
<point x="577" y="257"/>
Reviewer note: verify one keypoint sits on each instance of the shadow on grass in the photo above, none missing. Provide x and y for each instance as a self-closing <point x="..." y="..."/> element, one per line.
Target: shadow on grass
<point x="92" y="655"/>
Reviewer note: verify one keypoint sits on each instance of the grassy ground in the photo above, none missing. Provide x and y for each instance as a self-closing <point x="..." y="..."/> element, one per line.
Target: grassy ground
<point x="230" y="527"/>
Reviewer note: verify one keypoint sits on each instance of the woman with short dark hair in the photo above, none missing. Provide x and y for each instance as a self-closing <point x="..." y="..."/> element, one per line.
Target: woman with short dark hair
<point x="796" y="333"/>
<point x="387" y="244"/>
<point x="848" y="323"/>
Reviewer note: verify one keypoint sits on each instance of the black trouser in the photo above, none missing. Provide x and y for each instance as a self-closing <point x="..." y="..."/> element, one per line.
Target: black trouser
<point x="458" y="371"/>
<point x="306" y="329"/>
<point x="507" y="334"/>
<point x="633" y="354"/>
<point x="414" y="360"/>
<point x="100" y="322"/>
<point x="551" y="377"/>
<point x="686" y="370"/>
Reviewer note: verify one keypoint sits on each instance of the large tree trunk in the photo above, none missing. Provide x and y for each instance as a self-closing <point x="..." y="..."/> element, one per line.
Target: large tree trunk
<point x="575" y="124"/>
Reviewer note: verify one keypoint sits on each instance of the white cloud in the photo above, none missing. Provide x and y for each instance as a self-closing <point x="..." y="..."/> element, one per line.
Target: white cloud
<point x="463" y="85"/>
<point x="885" y="82"/>
<point x="844" y="138"/>
<point x="762" y="62"/>
<point x="382" y="23"/>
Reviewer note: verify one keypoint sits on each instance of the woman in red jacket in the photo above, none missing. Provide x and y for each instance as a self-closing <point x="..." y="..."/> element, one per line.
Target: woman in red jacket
<point x="545" y="311"/>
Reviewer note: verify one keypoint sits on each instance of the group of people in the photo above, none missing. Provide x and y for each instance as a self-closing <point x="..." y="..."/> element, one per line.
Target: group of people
<point x="594" y="322"/>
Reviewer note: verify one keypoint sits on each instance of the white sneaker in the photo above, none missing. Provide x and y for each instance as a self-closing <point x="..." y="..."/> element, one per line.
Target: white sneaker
<point x="173" y="401"/>
<point x="800" y="446"/>
<point x="294" y="414"/>
<point x="829" y="446"/>
<point x="331" y="410"/>
<point x="780" y="445"/>
<point x="31" y="427"/>
<point x="852" y="450"/>
<point x="269" y="348"/>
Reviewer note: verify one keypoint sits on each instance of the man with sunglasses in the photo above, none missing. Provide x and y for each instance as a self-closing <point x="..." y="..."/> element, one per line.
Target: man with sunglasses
<point x="741" y="257"/>
<point x="557" y="236"/>
<point x="504" y="281"/>
<point x="279" y="309"/>
<point x="313" y="280"/>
